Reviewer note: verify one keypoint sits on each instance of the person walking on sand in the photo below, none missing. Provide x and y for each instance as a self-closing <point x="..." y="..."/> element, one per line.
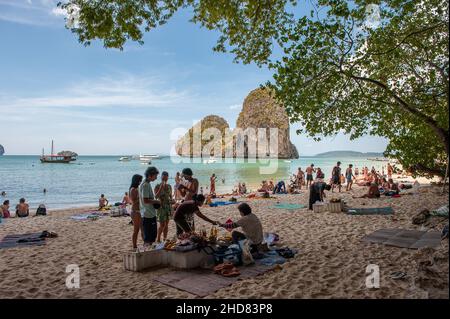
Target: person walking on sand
<point x="148" y="205"/>
<point x="102" y="202"/>
<point x="309" y="175"/>
<point x="336" y="177"/>
<point x="349" y="176"/>
<point x="212" y="184"/>
<point x="390" y="170"/>
<point x="163" y="192"/>
<point x="136" y="218"/>
<point x="22" y="209"/>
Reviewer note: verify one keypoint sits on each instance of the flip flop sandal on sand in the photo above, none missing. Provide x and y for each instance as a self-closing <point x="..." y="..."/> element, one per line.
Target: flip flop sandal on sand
<point x="398" y="275"/>
<point x="219" y="268"/>
<point x="230" y="272"/>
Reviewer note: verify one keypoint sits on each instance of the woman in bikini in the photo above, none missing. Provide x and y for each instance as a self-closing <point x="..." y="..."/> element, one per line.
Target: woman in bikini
<point x="135" y="209"/>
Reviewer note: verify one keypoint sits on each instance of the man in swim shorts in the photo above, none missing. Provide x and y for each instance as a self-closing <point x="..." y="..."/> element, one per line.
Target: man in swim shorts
<point x="309" y="175"/>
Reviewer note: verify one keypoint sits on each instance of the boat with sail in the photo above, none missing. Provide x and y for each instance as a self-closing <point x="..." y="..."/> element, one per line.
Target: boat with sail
<point x="60" y="158"/>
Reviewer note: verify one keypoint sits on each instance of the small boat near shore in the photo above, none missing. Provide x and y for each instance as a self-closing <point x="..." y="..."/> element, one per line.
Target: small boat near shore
<point x="124" y="159"/>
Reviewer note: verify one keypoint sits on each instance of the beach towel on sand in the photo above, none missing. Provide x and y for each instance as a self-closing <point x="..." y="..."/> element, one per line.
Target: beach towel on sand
<point x="29" y="239"/>
<point x="371" y="211"/>
<point x="406" y="238"/>
<point x="215" y="204"/>
<point x="288" y="206"/>
<point x="88" y="215"/>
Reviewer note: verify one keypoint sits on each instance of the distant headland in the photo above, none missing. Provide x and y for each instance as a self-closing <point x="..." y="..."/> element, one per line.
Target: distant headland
<point x="349" y="154"/>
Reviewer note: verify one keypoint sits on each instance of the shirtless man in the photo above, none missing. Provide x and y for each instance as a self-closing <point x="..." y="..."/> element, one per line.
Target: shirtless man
<point x="22" y="209"/>
<point x="373" y="192"/>
<point x="309" y="175"/>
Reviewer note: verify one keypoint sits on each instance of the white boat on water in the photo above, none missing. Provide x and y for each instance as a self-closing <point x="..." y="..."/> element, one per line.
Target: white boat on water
<point x="148" y="157"/>
<point x="124" y="159"/>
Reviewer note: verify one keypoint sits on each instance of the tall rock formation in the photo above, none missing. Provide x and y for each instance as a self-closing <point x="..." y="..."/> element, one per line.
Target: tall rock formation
<point x="260" y="111"/>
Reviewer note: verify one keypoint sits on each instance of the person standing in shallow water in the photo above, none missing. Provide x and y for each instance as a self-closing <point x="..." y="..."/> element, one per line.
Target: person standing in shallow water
<point x="147" y="203"/>
<point x="135" y="209"/>
<point x="163" y="192"/>
<point x="212" y="182"/>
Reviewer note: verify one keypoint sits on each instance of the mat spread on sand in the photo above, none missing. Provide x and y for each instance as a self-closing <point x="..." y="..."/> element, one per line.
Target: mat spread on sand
<point x="371" y="211"/>
<point x="215" y="204"/>
<point x="203" y="282"/>
<point x="30" y="239"/>
<point x="88" y="215"/>
<point x="405" y="238"/>
<point x="288" y="206"/>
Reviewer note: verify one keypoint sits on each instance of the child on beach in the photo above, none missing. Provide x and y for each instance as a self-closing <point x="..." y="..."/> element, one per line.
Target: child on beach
<point x="102" y="202"/>
<point x="163" y="192"/>
<point x="22" y="209"/>
<point x="135" y="209"/>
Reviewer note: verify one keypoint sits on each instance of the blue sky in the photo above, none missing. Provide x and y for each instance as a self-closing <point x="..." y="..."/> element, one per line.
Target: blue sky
<point x="97" y="101"/>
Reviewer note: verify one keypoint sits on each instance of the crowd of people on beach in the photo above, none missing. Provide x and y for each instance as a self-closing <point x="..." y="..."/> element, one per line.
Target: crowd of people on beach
<point x="153" y="207"/>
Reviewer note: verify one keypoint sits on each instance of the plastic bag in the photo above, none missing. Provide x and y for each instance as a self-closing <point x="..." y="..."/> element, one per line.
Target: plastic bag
<point x="247" y="258"/>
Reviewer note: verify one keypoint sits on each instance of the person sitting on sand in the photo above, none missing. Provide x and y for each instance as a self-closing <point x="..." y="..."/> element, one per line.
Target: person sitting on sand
<point x="126" y="200"/>
<point x="163" y="192"/>
<point x="280" y="188"/>
<point x="373" y="192"/>
<point x="243" y="189"/>
<point x="102" y="202"/>
<point x="385" y="185"/>
<point x="393" y="188"/>
<point x="264" y="187"/>
<point x="317" y="192"/>
<point x="22" y="209"/>
<point x="135" y="209"/>
<point x="271" y="186"/>
<point x="4" y="210"/>
<point x="190" y="186"/>
<point x="184" y="214"/>
<point x="251" y="227"/>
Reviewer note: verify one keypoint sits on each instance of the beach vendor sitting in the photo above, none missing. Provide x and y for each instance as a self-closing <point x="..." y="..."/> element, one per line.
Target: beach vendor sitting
<point x="317" y="192"/>
<point x="184" y="214"/>
<point x="251" y="227"/>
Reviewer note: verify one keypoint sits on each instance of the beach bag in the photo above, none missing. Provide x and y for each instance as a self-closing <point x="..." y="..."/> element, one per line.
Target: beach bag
<point x="41" y="211"/>
<point x="247" y="258"/>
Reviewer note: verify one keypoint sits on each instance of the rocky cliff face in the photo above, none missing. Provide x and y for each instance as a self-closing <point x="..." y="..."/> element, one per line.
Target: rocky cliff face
<point x="186" y="147"/>
<point x="260" y="112"/>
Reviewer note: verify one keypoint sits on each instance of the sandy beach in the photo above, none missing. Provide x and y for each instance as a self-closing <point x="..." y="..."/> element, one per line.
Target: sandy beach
<point x="331" y="262"/>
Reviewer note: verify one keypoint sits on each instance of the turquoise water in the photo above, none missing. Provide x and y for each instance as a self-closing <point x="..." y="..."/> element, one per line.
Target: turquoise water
<point x="82" y="182"/>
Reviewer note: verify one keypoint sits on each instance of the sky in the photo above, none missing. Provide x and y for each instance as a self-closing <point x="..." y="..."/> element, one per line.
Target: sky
<point x="98" y="101"/>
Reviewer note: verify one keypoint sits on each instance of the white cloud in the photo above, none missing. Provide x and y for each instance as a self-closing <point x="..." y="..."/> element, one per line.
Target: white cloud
<point x="119" y="91"/>
<point x="235" y="106"/>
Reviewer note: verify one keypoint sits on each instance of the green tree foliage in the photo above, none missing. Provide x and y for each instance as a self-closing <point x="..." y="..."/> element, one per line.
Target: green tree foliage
<point x="359" y="67"/>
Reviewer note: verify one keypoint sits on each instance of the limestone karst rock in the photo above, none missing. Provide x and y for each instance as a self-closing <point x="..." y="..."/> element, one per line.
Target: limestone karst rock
<point x="260" y="111"/>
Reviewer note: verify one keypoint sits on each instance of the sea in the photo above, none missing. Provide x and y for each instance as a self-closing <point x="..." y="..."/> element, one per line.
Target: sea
<point x="81" y="183"/>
